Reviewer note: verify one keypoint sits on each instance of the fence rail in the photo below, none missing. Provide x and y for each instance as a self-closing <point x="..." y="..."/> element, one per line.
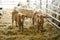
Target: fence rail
<point x="51" y="17"/>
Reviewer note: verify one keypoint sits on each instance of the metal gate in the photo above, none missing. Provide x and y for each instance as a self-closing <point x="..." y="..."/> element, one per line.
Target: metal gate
<point x="53" y="11"/>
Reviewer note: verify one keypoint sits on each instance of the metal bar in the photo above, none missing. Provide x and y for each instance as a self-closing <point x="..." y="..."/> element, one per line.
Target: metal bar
<point x="53" y="5"/>
<point x="53" y="17"/>
<point x="52" y="11"/>
<point x="53" y="23"/>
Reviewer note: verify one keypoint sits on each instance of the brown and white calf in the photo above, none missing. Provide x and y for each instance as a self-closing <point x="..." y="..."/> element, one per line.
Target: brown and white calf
<point x="39" y="19"/>
<point x="21" y="18"/>
<point x="18" y="18"/>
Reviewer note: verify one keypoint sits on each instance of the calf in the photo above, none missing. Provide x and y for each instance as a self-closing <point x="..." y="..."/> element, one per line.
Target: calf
<point x="14" y="17"/>
<point x="18" y="18"/>
<point x="21" y="18"/>
<point x="39" y="19"/>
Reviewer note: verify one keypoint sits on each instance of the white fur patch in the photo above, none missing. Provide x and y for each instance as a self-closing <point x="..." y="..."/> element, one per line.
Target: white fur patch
<point x="20" y="13"/>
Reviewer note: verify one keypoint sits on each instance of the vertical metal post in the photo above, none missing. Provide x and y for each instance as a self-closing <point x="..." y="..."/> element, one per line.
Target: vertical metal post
<point x="46" y="6"/>
<point x="28" y="1"/>
<point x="40" y="4"/>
